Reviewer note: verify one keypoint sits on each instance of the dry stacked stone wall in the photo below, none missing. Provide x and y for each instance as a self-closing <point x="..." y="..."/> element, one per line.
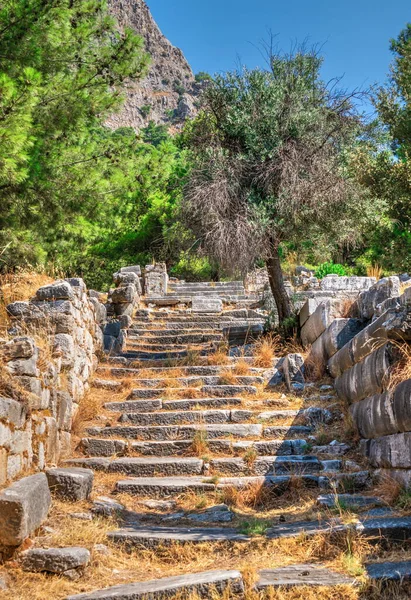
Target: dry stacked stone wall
<point x="53" y="347"/>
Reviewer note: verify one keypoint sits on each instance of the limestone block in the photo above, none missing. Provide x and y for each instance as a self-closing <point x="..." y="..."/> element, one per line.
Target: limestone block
<point x="392" y="451"/>
<point x="51" y="445"/>
<point x="374" y="416"/>
<point x="14" y="465"/>
<point x="310" y="306"/>
<point x="112" y="328"/>
<point x="318" y="322"/>
<point x="124" y="278"/>
<point x="13" y="412"/>
<point x="132" y="269"/>
<point x="206" y="305"/>
<point x="3" y="465"/>
<point x="59" y="290"/>
<point x="100" y="310"/>
<point x="386" y="288"/>
<point x="367" y="377"/>
<point x="125" y="321"/>
<point x="24" y="366"/>
<point x="77" y="283"/>
<point x="65" y="444"/>
<point x="123" y="309"/>
<point x="402" y="405"/>
<point x="124" y="295"/>
<point x="64" y="346"/>
<point x="293" y="369"/>
<point x="351" y="284"/>
<point x="23" y="507"/>
<point x="54" y="560"/>
<point x="71" y="483"/>
<point x="37" y="400"/>
<point x="18" y="348"/>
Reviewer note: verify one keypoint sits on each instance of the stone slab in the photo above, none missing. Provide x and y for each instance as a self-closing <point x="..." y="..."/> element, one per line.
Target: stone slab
<point x="202" y="304"/>
<point x="71" y="483"/>
<point x="23" y="507"/>
<point x="303" y="574"/>
<point x="389" y="571"/>
<point x="200" y="583"/>
<point x="151" y="537"/>
<point x="55" y="560"/>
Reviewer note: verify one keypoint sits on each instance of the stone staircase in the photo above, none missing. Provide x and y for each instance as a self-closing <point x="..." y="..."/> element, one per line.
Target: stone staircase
<point x="190" y="420"/>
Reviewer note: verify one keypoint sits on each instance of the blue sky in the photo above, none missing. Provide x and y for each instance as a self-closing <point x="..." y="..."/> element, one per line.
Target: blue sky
<point x="355" y="34"/>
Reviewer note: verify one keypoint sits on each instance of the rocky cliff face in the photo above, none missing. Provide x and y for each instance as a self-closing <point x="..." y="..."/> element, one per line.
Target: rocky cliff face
<point x="169" y="92"/>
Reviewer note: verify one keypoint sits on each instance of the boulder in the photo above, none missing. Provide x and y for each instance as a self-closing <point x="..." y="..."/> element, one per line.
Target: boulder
<point x="55" y="560"/>
<point x="389" y="287"/>
<point x="293" y="369"/>
<point x="71" y="483"/>
<point x="124" y="295"/>
<point x="59" y="290"/>
<point x="132" y="269"/>
<point x="23" y="508"/>
<point x="349" y="284"/>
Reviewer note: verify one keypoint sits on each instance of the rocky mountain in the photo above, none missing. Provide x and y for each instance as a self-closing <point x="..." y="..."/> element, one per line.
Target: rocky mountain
<point x="169" y="93"/>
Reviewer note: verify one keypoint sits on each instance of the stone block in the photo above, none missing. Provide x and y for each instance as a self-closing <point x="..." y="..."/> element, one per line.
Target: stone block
<point x="59" y="290"/>
<point x="54" y="560"/>
<point x="367" y="377"/>
<point x="123" y="278"/>
<point x="64" y="347"/>
<point x="293" y="369"/>
<point x="132" y="269"/>
<point x="17" y="348"/>
<point x="392" y="451"/>
<point x="299" y="575"/>
<point x="318" y="322"/>
<point x="24" y="366"/>
<point x="310" y="307"/>
<point x="124" y="295"/>
<point x="206" y="305"/>
<point x="112" y="328"/>
<point x="123" y="309"/>
<point x="349" y="284"/>
<point x="375" y="416"/>
<point x="23" y="507"/>
<point x="71" y="483"/>
<point x="382" y="290"/>
<point x="402" y="406"/>
<point x="13" y="412"/>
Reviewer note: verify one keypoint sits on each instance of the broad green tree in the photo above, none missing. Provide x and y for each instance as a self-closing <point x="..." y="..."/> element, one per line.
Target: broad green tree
<point x="271" y="164"/>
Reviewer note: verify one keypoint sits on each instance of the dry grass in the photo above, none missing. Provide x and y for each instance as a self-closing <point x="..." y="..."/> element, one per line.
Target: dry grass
<point x="402" y="369"/>
<point x="314" y="367"/>
<point x="199" y="446"/>
<point x="227" y="377"/>
<point x="220" y="357"/>
<point x="374" y="271"/>
<point x="388" y="489"/>
<point x="21" y="285"/>
<point x="241" y="367"/>
<point x="265" y="350"/>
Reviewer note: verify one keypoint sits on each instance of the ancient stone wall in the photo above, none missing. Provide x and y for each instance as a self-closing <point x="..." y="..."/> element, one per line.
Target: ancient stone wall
<point x="361" y="352"/>
<point x="53" y="347"/>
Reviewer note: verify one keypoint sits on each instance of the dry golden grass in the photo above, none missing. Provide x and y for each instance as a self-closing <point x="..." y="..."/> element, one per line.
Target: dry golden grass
<point x="241" y="367"/>
<point x="227" y="377"/>
<point x="220" y="357"/>
<point x="265" y="350"/>
<point x="21" y="285"/>
<point x="388" y="489"/>
<point x="402" y="369"/>
<point x="314" y="367"/>
<point x="374" y="271"/>
<point x="199" y="446"/>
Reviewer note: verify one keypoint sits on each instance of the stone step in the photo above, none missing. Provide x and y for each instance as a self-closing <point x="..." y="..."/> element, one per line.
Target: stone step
<point x="152" y="405"/>
<point x="160" y="487"/>
<point x="191" y="380"/>
<point x="159" y="357"/>
<point x="389" y="571"/>
<point x="203" y="416"/>
<point x="183" y="432"/>
<point x="126" y="359"/>
<point x="190" y="393"/>
<point x="188" y="432"/>
<point x="179" y="338"/>
<point x="149" y="347"/>
<point x="199" y="371"/>
<point x="152" y="537"/>
<point x="109" y="447"/>
<point x="144" y="467"/>
<point x="267" y="465"/>
<point x="204" y="584"/>
<point x="292" y="576"/>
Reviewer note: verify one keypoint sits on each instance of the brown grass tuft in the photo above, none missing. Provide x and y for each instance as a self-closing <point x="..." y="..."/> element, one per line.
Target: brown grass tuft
<point x="199" y="445"/>
<point x="265" y="350"/>
<point x="402" y="369"/>
<point x="388" y="489"/>
<point x="374" y="271"/>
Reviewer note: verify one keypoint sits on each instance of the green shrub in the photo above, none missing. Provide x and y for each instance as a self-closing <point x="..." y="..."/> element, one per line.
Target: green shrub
<point x="145" y="110"/>
<point x="330" y="268"/>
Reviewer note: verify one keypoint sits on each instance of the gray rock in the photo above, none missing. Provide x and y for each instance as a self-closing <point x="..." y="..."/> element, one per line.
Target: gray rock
<point x="107" y="507"/>
<point x="23" y="507"/>
<point x="203" y="584"/>
<point x="112" y="328"/>
<point x="354" y="501"/>
<point x="59" y="290"/>
<point x="132" y="269"/>
<point x="319" y="321"/>
<point x="125" y="278"/>
<point x="215" y="514"/>
<point x="12" y="412"/>
<point x="350" y="284"/>
<point x="55" y="560"/>
<point x="315" y="415"/>
<point x="303" y="574"/>
<point x="161" y="505"/>
<point x="81" y="516"/>
<point x="71" y="483"/>
<point x="124" y="295"/>
<point x="19" y="347"/>
<point x="206" y="305"/>
<point x="386" y="288"/>
<point x="389" y="571"/>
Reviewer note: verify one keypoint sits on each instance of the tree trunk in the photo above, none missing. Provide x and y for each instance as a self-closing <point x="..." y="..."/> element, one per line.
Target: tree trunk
<point x="275" y="276"/>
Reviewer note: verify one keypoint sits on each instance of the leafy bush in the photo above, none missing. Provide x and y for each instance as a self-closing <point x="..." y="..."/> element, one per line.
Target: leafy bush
<point x="145" y="110"/>
<point x="330" y="268"/>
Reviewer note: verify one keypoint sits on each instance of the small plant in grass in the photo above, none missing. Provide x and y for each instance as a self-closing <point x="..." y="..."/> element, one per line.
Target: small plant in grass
<point x="214" y="479"/>
<point x="307" y="448"/>
<point x="254" y="527"/>
<point x="403" y="501"/>
<point x="250" y="457"/>
<point x="199" y="444"/>
<point x="352" y="564"/>
<point x="323" y="436"/>
<point x="201" y="503"/>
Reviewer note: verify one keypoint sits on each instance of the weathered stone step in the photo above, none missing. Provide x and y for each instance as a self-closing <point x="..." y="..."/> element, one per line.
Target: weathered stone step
<point x="267" y="465"/>
<point x="159" y="357"/>
<point x="204" y="416"/>
<point x="152" y="537"/>
<point x="196" y="379"/>
<point x="157" y="404"/>
<point x="110" y="447"/>
<point x="163" y="363"/>
<point x="203" y="584"/>
<point x="292" y="576"/>
<point x="151" y="347"/>
<point x="179" y="338"/>
<point x="199" y="371"/>
<point x="184" y="432"/>
<point x="351" y="501"/>
<point x="144" y="467"/>
<point x="165" y="486"/>
<point x="188" y="432"/>
<point x="190" y="393"/>
<point x="389" y="571"/>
